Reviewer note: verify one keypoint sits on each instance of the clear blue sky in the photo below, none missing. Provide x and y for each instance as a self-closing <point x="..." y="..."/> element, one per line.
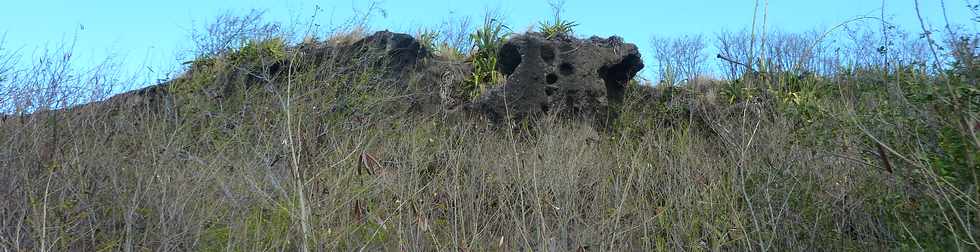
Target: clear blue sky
<point x="155" y="33"/>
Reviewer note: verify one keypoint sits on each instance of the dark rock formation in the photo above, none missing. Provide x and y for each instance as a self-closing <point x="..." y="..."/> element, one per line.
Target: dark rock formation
<point x="564" y="75"/>
<point x="393" y="54"/>
<point x="561" y="75"/>
<point x="439" y="85"/>
<point x="398" y="52"/>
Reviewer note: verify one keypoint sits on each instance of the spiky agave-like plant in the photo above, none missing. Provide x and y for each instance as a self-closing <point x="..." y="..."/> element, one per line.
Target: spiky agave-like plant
<point x="487" y="41"/>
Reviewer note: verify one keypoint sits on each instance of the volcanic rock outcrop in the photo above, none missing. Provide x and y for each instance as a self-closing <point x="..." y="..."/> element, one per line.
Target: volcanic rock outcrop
<point x="399" y="51"/>
<point x="563" y="75"/>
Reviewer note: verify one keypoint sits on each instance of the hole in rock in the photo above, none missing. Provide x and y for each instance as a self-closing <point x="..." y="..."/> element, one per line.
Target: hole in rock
<point x="616" y="76"/>
<point x="551" y="78"/>
<point x="566" y="69"/>
<point x="508" y="59"/>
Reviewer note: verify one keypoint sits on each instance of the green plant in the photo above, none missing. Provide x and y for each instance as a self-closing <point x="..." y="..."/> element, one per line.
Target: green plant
<point x="260" y="51"/>
<point x="558" y="26"/>
<point x="435" y="42"/>
<point x="487" y="41"/>
<point x="427" y="38"/>
<point x="736" y="91"/>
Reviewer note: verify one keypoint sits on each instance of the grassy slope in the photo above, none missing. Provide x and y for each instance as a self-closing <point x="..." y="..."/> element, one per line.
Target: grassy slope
<point x="697" y="167"/>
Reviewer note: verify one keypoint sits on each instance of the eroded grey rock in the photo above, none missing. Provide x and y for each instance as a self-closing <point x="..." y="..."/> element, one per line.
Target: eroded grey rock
<point x="573" y="77"/>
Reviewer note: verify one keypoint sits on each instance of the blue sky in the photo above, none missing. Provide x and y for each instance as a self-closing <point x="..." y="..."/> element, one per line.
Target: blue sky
<point x="155" y="34"/>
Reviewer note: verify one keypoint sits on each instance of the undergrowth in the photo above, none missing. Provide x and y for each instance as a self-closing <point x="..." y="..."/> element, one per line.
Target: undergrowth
<point x="869" y="157"/>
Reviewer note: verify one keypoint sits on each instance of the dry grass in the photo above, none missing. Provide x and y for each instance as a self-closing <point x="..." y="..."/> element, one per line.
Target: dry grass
<point x="328" y="157"/>
<point x="154" y="185"/>
<point x="347" y="37"/>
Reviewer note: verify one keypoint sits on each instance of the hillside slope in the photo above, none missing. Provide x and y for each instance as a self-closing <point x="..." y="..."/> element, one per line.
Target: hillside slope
<point x="366" y="145"/>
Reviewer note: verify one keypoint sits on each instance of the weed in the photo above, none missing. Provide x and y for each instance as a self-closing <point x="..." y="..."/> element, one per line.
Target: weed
<point x="487" y="41"/>
<point x="557" y="26"/>
<point x="427" y="38"/>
